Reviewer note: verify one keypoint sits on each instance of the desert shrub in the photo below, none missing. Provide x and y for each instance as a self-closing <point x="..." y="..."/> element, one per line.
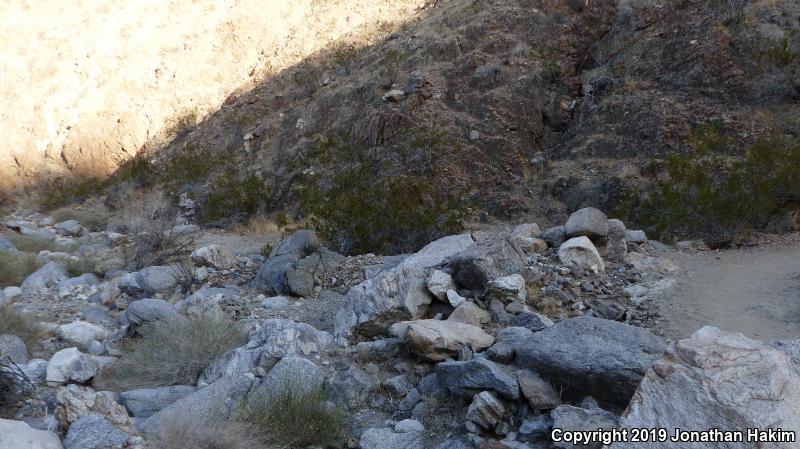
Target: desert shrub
<point x="717" y="197"/>
<point x="172" y="353"/>
<point x="187" y="430"/>
<point x="60" y="192"/>
<point x="32" y="243"/>
<point x="15" y="267"/>
<point x="232" y="198"/>
<point x="294" y="416"/>
<point x="92" y="214"/>
<point x="81" y="266"/>
<point x="21" y="324"/>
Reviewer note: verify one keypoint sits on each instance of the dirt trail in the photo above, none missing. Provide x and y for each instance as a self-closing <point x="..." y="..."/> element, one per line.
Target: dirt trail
<point x="755" y="291"/>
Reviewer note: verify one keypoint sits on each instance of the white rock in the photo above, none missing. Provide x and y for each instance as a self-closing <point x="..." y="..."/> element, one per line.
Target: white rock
<point x="435" y="340"/>
<point x="213" y="256"/>
<point x="581" y="251"/>
<point x="82" y="333"/>
<point x="12" y="292"/>
<point x="18" y="435"/>
<point x="439" y="283"/>
<point x="454" y="298"/>
<point x="70" y="365"/>
<point x="717" y="379"/>
<point x="507" y="289"/>
<point x="409" y="425"/>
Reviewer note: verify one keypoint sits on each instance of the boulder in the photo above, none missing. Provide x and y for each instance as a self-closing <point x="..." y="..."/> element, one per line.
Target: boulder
<point x="385" y="438"/>
<point x="507" y="289"/>
<point x="290" y="372"/>
<point x="408" y="425"/>
<point x="14" y="348"/>
<point x="70" y="365"/>
<point x="49" y="275"/>
<point x="312" y="270"/>
<point x="94" y="432"/>
<point x="398" y="294"/>
<point x="635" y="236"/>
<point x="469" y="313"/>
<point x="573" y="419"/>
<point x="271" y="276"/>
<point x="486" y="261"/>
<point x="439" y="283"/>
<point x="145" y="402"/>
<point x="74" y="402"/>
<point x="206" y="299"/>
<point x="82" y="334"/>
<point x="465" y="379"/>
<point x="527" y="230"/>
<point x="555" y="236"/>
<point x="616" y="243"/>
<point x="85" y="279"/>
<point x="593" y="356"/>
<point x="147" y="311"/>
<point x="18" y="435"/>
<point x="213" y="256"/>
<point x="588" y="222"/>
<point x="532" y="321"/>
<point x="580" y="251"/>
<point x="434" y="340"/>
<point x="717" y="379"/>
<point x="350" y="385"/>
<point x="158" y="279"/>
<point x="488" y="413"/>
<point x="540" y="394"/>
<point x="69" y="228"/>
<point x="454" y="299"/>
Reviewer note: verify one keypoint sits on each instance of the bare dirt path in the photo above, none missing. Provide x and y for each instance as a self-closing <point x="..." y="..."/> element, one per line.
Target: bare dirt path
<point x="755" y="291"/>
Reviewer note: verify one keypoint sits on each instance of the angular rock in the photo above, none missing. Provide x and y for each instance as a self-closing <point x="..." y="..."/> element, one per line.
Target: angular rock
<point x="213" y="256"/>
<point x="616" y="243"/>
<point x="439" y="283"/>
<point x="717" y="379"/>
<point x="569" y="418"/>
<point x="580" y="251"/>
<point x="271" y="276"/>
<point x="454" y="299"/>
<point x="398" y="386"/>
<point x="18" y="435"/>
<point x="540" y="394"/>
<point x="385" y="438"/>
<point x="588" y="222"/>
<point x="350" y="385"/>
<point x="487" y="412"/>
<point x="207" y="299"/>
<point x="635" y="236"/>
<point x="527" y="230"/>
<point x="158" y="279"/>
<point x="507" y="289"/>
<point x="94" y="432"/>
<point x="70" y="365"/>
<point x="74" y="402"/>
<point x="486" y="261"/>
<point x="146" y="402"/>
<point x="146" y="311"/>
<point x="394" y="295"/>
<point x="312" y="270"/>
<point x="434" y="341"/>
<point x="465" y="379"/>
<point x="292" y="371"/>
<point x="470" y="313"/>
<point x="555" y="236"/>
<point x="82" y="280"/>
<point x="82" y="334"/>
<point x="69" y="228"/>
<point x="532" y="321"/>
<point x="49" y="275"/>
<point x="593" y="356"/>
<point x="14" y="348"/>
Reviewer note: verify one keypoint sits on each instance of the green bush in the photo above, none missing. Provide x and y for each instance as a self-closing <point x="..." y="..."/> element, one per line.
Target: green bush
<point x="294" y="417"/>
<point x="32" y="243"/>
<point x="171" y="353"/>
<point x="232" y="198"/>
<point x="81" y="266"/>
<point x="20" y="324"/>
<point x="718" y="197"/>
<point x="15" y="267"/>
<point x="61" y="192"/>
<point x="92" y="214"/>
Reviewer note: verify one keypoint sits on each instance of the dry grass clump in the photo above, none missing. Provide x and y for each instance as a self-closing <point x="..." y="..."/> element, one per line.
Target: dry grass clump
<point x="172" y="353"/>
<point x="294" y="417"/>
<point x="20" y="324"/>
<point x="32" y="243"/>
<point x="185" y="430"/>
<point x="15" y="267"/>
<point x="92" y="214"/>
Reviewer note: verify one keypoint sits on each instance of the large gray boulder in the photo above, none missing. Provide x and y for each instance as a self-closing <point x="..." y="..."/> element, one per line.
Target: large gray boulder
<point x="486" y="261"/>
<point x="14" y="348"/>
<point x="94" y="432"/>
<point x="591" y="356"/>
<point x="588" y="222"/>
<point x="158" y="279"/>
<point x="18" y="435"/>
<point x="717" y="379"/>
<point x="148" y="311"/>
<point x="146" y="402"/>
<point x="49" y="275"/>
<point x="398" y="294"/>
<point x="70" y="365"/>
<point x="292" y="371"/>
<point x="271" y="276"/>
<point x="275" y="339"/>
<point x="69" y="228"/>
<point x="465" y="379"/>
<point x="311" y="270"/>
<point x="385" y="438"/>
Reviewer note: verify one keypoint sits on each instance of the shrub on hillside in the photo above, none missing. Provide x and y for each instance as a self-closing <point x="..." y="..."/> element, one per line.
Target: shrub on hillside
<point x="20" y="324"/>
<point x="718" y="197"/>
<point x="233" y="198"/>
<point x="294" y="417"/>
<point x="15" y="267"/>
<point x="172" y="353"/>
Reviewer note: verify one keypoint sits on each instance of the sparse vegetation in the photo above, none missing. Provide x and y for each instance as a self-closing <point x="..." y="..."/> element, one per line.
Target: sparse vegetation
<point x="233" y="198"/>
<point x="81" y="266"/>
<point x="707" y="194"/>
<point x="20" y="324"/>
<point x="184" y="430"/>
<point x="294" y="416"/>
<point x="32" y="243"/>
<point x="14" y="268"/>
<point x="172" y="353"/>
<point x="60" y="192"/>
<point x="92" y="214"/>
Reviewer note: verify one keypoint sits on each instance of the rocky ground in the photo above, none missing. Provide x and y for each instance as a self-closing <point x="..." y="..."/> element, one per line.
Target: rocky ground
<point x="488" y="339"/>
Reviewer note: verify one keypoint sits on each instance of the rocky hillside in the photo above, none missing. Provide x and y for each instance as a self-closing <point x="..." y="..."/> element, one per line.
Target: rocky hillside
<point x="516" y="108"/>
<point x="86" y="84"/>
